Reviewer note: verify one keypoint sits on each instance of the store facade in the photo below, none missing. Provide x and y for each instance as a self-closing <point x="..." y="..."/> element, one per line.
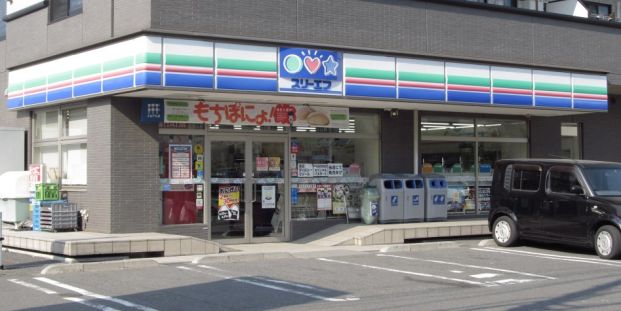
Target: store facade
<point x="241" y="142"/>
<point x="251" y="121"/>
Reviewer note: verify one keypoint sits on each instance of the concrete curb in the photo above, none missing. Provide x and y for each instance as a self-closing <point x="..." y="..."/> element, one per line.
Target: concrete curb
<point x="241" y="257"/>
<point x="419" y="247"/>
<point x="99" y="266"/>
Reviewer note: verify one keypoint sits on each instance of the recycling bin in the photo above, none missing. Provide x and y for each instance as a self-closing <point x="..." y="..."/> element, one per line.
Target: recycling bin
<point x="435" y="197"/>
<point x="390" y="189"/>
<point x="14" y="195"/>
<point x="369" y="205"/>
<point x="413" y="193"/>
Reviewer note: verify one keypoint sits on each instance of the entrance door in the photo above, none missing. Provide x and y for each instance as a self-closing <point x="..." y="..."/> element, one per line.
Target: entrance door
<point x="247" y="188"/>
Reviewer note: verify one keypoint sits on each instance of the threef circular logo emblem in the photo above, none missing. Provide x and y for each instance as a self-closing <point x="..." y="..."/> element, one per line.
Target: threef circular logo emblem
<point x="292" y="63"/>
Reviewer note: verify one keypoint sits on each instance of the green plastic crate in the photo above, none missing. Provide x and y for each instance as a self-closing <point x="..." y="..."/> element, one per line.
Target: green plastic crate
<point x="47" y="192"/>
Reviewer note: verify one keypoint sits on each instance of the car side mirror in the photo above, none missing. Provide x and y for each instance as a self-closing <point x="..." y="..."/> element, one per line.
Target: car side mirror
<point x="576" y="189"/>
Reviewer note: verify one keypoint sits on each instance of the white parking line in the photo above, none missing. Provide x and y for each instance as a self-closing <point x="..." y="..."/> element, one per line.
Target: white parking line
<point x="427" y="275"/>
<point x="33" y="286"/>
<point x="72" y="299"/>
<point x="484" y="275"/>
<point x="87" y="293"/>
<point x="270" y="286"/>
<point x="593" y="261"/>
<point x="471" y="266"/>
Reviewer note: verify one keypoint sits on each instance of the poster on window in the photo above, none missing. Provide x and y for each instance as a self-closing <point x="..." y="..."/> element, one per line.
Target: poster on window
<point x="335" y="170"/>
<point x="484" y="194"/>
<point x="339" y="199"/>
<point x="268" y="197"/>
<point x="324" y="197"/>
<point x="274" y="164"/>
<point x="320" y="170"/>
<point x="305" y="170"/>
<point x="228" y="202"/>
<point x="180" y="166"/>
<point x="262" y="164"/>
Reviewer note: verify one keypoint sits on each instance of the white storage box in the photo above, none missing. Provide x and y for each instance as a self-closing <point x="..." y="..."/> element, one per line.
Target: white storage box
<point x="14" y="195"/>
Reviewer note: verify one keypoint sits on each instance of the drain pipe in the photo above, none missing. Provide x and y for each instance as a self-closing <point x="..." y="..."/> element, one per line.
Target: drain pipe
<point x="1" y="239"/>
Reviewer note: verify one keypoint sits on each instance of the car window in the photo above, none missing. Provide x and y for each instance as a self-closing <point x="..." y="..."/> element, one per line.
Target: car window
<point x="526" y="178"/>
<point x="604" y="180"/>
<point x="561" y="180"/>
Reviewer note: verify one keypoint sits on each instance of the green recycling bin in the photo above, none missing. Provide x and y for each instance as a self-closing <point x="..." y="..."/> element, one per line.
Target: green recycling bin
<point x="369" y="209"/>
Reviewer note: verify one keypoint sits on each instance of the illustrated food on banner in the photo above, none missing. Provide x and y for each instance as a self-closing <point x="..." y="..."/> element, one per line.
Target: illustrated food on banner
<point x="274" y="164"/>
<point x="262" y="164"/>
<point x="228" y="202"/>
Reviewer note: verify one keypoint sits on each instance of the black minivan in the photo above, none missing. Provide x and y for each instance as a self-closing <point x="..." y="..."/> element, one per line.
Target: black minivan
<point x="575" y="202"/>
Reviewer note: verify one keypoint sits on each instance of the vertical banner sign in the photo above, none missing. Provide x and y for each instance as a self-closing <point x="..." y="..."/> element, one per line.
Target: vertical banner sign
<point x="268" y="197"/>
<point x="262" y="164"/>
<point x="339" y="199"/>
<point x="310" y="71"/>
<point x="36" y="175"/>
<point x="324" y="197"/>
<point x="228" y="202"/>
<point x="180" y="161"/>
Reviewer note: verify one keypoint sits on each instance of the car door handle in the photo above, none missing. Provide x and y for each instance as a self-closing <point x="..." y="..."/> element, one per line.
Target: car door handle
<point x="595" y="209"/>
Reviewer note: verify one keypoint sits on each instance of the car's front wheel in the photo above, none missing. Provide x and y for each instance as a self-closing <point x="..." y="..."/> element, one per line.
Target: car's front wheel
<point x="504" y="231"/>
<point x="608" y="242"/>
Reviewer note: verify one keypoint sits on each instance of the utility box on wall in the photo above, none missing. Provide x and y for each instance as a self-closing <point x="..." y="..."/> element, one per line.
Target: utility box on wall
<point x="13" y="139"/>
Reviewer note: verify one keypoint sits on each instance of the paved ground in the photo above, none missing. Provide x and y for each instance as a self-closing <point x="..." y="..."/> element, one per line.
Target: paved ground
<point x="470" y="277"/>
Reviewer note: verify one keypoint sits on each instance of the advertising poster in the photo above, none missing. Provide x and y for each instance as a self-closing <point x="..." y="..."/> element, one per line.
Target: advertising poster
<point x="324" y="197"/>
<point x="262" y="164"/>
<point x="228" y="202"/>
<point x="229" y="113"/>
<point x="180" y="161"/>
<point x="274" y="164"/>
<point x="294" y="195"/>
<point x="320" y="170"/>
<point x="339" y="199"/>
<point x="268" y="197"/>
<point x="335" y="170"/>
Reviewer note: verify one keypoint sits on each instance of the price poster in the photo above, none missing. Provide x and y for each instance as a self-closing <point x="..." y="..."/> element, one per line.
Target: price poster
<point x="320" y="170"/>
<point x="262" y="164"/>
<point x="274" y="164"/>
<point x="180" y="161"/>
<point x="268" y="197"/>
<point x="324" y="197"/>
<point x="335" y="170"/>
<point x="228" y="202"/>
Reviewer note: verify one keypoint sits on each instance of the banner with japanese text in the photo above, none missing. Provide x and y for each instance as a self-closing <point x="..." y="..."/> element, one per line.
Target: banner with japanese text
<point x="216" y="113"/>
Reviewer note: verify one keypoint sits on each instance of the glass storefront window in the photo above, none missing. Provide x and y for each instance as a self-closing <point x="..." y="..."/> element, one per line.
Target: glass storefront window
<point x="46" y="124"/>
<point x="74" y="164"/>
<point x="446" y="126"/>
<point x="48" y="155"/>
<point x="182" y="178"/>
<point x="328" y="194"/>
<point x="501" y="128"/>
<point x="74" y="122"/>
<point x="570" y="141"/>
<point x="465" y="151"/>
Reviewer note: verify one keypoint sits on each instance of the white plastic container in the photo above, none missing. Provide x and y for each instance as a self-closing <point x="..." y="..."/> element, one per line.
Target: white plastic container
<point x="14" y="195"/>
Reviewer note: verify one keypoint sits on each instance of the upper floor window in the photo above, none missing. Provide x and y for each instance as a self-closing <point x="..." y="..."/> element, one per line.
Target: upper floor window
<point x="60" y="9"/>
<point x="2" y="22"/>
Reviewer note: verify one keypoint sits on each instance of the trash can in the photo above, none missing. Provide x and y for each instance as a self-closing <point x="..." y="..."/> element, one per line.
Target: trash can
<point x="390" y="189"/>
<point x="369" y="205"/>
<point x="413" y="192"/>
<point x="435" y="197"/>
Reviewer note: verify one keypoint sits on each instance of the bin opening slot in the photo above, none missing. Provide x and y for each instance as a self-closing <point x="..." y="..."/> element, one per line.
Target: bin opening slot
<point x="418" y="183"/>
<point x="398" y="184"/>
<point x="388" y="184"/>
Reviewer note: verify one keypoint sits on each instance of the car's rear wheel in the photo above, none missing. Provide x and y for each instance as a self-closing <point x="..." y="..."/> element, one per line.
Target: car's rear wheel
<point x="608" y="242"/>
<point x="504" y="231"/>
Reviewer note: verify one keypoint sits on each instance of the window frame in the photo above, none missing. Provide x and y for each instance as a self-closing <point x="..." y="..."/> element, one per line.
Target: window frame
<point x="68" y="13"/>
<point x="526" y="167"/>
<point x="568" y="169"/>
<point x="61" y="140"/>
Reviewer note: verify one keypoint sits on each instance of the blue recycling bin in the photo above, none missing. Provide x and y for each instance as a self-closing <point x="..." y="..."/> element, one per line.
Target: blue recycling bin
<point x="390" y="189"/>
<point x="435" y="197"/>
<point x="413" y="198"/>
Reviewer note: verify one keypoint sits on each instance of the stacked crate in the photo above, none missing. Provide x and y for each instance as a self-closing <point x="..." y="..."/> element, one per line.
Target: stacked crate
<point x="51" y="214"/>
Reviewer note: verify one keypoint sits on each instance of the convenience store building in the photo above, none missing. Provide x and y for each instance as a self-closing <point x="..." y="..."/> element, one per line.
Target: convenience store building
<point x="186" y="126"/>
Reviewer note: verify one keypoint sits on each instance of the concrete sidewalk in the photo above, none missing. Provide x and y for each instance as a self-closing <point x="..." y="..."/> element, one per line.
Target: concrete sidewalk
<point x="339" y="240"/>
